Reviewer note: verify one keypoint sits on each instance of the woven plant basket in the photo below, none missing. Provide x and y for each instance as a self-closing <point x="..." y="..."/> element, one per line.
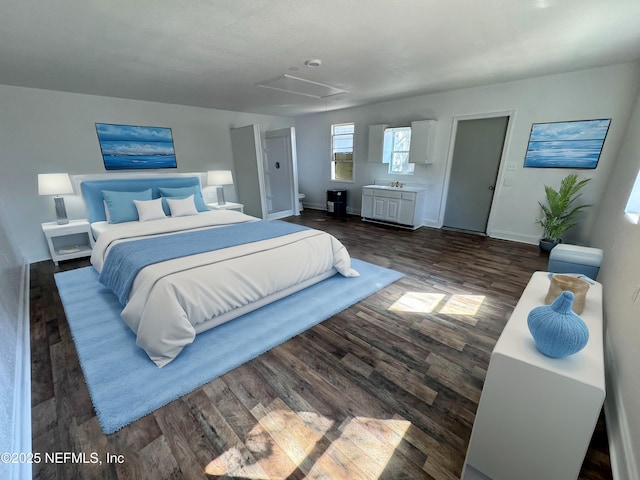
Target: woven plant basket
<point x="568" y="283"/>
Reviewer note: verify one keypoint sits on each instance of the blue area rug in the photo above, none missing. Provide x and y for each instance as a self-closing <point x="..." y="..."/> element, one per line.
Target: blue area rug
<point x="126" y="385"/>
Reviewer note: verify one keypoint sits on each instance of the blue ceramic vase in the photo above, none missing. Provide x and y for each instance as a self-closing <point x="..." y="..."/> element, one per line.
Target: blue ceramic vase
<point x="556" y="329"/>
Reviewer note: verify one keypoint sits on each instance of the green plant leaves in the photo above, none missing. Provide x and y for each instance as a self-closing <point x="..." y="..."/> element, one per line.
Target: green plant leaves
<point x="559" y="214"/>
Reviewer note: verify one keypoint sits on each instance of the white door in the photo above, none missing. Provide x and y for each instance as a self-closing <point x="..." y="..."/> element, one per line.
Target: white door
<point x="247" y="159"/>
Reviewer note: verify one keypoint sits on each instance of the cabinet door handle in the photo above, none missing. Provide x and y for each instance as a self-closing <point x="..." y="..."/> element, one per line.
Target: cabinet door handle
<point x="492" y="187"/>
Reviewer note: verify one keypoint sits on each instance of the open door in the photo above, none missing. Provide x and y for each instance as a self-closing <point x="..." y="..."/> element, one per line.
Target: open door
<point x="281" y="173"/>
<point x="249" y="169"/>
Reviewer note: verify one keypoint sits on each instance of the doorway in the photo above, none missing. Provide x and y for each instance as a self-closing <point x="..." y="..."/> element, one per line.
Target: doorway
<point x="266" y="171"/>
<point x="477" y="153"/>
<point x="280" y="173"/>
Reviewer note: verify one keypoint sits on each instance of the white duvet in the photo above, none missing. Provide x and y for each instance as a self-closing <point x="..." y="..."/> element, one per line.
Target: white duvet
<point x="171" y="301"/>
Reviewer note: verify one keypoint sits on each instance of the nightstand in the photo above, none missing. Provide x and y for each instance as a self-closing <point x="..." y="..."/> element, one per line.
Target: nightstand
<point x="72" y="240"/>
<point x="227" y="206"/>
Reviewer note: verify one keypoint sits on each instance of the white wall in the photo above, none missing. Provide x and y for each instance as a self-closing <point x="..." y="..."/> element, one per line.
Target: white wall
<point x="620" y="275"/>
<point x="45" y="132"/>
<point x="606" y="92"/>
<point x="15" y="394"/>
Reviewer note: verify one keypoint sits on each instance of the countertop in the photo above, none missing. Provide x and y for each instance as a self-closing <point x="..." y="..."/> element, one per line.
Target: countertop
<point x="399" y="189"/>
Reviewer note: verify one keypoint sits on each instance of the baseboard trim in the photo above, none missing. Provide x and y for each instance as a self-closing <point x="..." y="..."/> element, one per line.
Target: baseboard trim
<point x="621" y="452"/>
<point x="318" y="206"/>
<point x="433" y="223"/>
<point x="513" y="236"/>
<point x="315" y="206"/>
<point x="21" y="434"/>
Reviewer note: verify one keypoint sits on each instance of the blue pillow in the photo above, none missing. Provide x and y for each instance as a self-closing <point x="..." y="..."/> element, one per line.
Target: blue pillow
<point x="183" y="192"/>
<point x="120" y="204"/>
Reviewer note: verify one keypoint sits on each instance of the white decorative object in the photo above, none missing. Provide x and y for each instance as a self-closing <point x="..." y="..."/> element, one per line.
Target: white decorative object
<point x="219" y="178"/>
<point x="56" y="184"/>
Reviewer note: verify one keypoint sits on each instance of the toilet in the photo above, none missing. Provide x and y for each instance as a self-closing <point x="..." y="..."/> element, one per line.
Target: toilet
<point x="301" y="197"/>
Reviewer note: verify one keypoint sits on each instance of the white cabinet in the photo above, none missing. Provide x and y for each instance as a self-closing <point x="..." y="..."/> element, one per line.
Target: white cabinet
<point x="376" y="143"/>
<point x="537" y="414"/>
<point x="386" y="207"/>
<point x="398" y="206"/>
<point x="406" y="215"/>
<point x="422" y="141"/>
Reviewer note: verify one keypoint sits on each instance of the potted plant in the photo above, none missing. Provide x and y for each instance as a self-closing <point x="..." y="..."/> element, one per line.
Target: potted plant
<point x="559" y="214"/>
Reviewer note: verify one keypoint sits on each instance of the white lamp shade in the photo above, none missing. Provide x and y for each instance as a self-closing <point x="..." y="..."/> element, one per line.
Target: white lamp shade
<point x="219" y="177"/>
<point x="54" y="184"/>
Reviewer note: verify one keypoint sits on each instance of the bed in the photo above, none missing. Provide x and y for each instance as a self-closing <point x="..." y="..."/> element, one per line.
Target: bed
<point x="192" y="269"/>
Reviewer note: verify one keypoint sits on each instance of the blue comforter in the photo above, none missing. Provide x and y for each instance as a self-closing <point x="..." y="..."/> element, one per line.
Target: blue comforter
<point x="126" y="259"/>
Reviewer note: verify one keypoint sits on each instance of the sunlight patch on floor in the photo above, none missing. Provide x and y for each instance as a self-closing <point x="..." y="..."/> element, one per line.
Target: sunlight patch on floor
<point x="422" y="302"/>
<point x="283" y="440"/>
<point x="463" y="305"/>
<point x="417" y="302"/>
<point x="376" y="438"/>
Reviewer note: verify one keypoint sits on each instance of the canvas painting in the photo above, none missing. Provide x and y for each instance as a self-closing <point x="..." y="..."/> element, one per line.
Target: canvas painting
<point x="127" y="147"/>
<point x="575" y="144"/>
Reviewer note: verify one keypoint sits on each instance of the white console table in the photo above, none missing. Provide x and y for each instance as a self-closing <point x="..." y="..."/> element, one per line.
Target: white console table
<point x="537" y="414"/>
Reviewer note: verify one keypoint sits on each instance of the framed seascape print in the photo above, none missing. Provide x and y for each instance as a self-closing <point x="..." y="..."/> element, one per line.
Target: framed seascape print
<point x="575" y="144"/>
<point x="127" y="147"/>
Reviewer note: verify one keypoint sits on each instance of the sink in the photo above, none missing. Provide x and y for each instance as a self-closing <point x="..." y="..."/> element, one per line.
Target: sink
<point x="384" y="187"/>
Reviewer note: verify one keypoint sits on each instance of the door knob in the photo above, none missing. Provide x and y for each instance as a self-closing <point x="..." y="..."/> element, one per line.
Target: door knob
<point x="492" y="187"/>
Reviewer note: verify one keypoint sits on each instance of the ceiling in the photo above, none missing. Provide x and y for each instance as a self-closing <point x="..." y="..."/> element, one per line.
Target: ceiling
<point x="212" y="53"/>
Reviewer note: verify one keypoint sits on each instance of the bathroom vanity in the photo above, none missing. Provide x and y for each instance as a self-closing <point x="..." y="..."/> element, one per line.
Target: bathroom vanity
<point x="401" y="206"/>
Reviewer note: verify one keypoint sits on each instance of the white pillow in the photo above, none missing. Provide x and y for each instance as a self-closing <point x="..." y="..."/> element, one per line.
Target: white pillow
<point x="181" y="207"/>
<point x="149" y="209"/>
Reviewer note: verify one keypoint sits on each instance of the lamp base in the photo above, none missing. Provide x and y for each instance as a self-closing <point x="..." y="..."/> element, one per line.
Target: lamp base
<point x="61" y="211"/>
<point x="220" y="192"/>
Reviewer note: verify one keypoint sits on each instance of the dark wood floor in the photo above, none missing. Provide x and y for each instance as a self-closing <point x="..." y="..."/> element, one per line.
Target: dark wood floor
<point x="385" y="389"/>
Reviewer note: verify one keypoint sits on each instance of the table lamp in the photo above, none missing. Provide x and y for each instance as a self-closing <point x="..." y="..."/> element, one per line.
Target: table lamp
<point x="56" y="184"/>
<point x="218" y="178"/>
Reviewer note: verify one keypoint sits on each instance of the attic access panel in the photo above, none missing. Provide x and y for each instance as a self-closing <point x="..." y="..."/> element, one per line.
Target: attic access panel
<point x="573" y="144"/>
<point x="300" y="86"/>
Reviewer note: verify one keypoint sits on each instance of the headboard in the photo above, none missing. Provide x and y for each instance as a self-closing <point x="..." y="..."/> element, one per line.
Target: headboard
<point x="92" y="190"/>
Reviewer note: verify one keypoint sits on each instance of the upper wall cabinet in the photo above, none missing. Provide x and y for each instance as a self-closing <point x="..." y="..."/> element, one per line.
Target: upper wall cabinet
<point x="422" y="141"/>
<point x="376" y="142"/>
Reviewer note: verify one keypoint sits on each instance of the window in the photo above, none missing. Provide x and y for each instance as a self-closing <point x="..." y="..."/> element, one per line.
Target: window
<point x="397" y="142"/>
<point x="632" y="209"/>
<point x="342" y="152"/>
